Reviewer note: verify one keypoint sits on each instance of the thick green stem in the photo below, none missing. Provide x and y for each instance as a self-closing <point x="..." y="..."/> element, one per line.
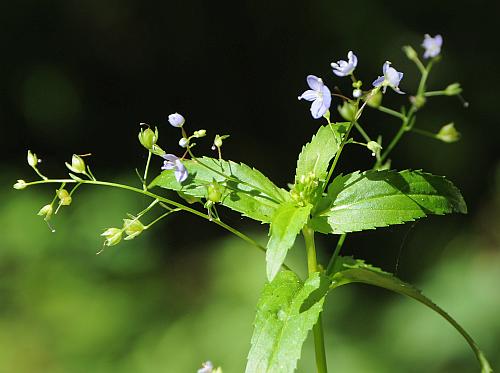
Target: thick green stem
<point x="312" y="266"/>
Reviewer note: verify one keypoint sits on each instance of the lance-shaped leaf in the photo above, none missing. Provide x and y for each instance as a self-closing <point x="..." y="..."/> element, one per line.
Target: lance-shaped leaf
<point x="287" y="223"/>
<point x="317" y="154"/>
<point x="372" y="199"/>
<point x="347" y="270"/>
<point x="245" y="189"/>
<point x="287" y="311"/>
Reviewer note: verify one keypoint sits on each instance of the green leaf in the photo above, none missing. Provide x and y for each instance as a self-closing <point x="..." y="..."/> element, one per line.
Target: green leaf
<point x="317" y="154"/>
<point x="282" y="321"/>
<point x="287" y="222"/>
<point x="348" y="270"/>
<point x="245" y="189"/>
<point x="372" y="199"/>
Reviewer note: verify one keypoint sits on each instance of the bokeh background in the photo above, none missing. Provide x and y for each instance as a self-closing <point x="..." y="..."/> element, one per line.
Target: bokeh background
<point x="78" y="77"/>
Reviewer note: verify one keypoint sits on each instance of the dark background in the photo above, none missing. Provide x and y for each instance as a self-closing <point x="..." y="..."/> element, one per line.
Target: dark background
<point x="78" y="77"/>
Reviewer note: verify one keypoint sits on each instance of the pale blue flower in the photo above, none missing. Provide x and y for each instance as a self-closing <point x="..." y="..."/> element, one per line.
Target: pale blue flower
<point x="207" y="367"/>
<point x="391" y="78"/>
<point x="173" y="162"/>
<point x="432" y="45"/>
<point x="344" y="68"/>
<point x="319" y="94"/>
<point x="176" y="120"/>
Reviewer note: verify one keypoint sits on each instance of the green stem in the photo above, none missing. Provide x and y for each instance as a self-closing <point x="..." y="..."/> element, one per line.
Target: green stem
<point x="362" y="132"/>
<point x="161" y="199"/>
<point x="394" y="113"/>
<point x="335" y="255"/>
<point x="144" y="186"/>
<point x="312" y="266"/>
<point x="424" y="133"/>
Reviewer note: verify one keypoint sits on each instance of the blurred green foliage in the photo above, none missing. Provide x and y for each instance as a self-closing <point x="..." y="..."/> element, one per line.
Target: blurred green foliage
<point x="138" y="307"/>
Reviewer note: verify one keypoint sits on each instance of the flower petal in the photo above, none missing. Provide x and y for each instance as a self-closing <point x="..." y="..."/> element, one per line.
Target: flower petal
<point x="378" y="82"/>
<point x="314" y="82"/>
<point x="327" y="97"/>
<point x="180" y="173"/>
<point x="309" y="95"/>
<point x="170" y="157"/>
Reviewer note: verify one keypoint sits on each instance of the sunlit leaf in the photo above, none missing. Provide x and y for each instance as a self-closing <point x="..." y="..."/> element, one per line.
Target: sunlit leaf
<point x="287" y="311"/>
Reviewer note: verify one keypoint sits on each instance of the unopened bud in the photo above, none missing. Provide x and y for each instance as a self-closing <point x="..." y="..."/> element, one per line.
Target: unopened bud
<point x="32" y="159"/>
<point x="20" y="184"/>
<point x="148" y="138"/>
<point x="218" y="140"/>
<point x="133" y="228"/>
<point x="64" y="197"/>
<point x="410" y="52"/>
<point x="356" y="93"/>
<point x="448" y="133"/>
<point x="77" y="164"/>
<point x="347" y="111"/>
<point x="200" y="133"/>
<point x="453" y="89"/>
<point x="374" y="100"/>
<point x="418" y="101"/>
<point x="113" y="236"/>
<point x="183" y="142"/>
<point x="374" y="146"/>
<point x="46" y="212"/>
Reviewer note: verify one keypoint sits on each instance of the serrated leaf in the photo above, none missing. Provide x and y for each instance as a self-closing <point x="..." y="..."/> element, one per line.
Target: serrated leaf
<point x="317" y="154"/>
<point x="248" y="191"/>
<point x="287" y="222"/>
<point x="282" y="322"/>
<point x="349" y="270"/>
<point x="372" y="199"/>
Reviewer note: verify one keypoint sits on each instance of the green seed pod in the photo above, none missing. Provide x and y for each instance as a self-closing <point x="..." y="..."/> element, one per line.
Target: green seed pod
<point x="375" y="100"/>
<point x="214" y="192"/>
<point x="453" y="89"/>
<point x="448" y="133"/>
<point x="77" y="164"/>
<point x="133" y="228"/>
<point x="113" y="236"/>
<point x="32" y="159"/>
<point x="347" y="111"/>
<point x="200" y="133"/>
<point x="148" y="138"/>
<point x="374" y="147"/>
<point x="20" y="184"/>
<point x="64" y="197"/>
<point x="46" y="212"/>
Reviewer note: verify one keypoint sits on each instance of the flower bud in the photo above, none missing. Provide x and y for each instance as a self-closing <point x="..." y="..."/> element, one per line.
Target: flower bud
<point x="448" y="133"/>
<point x="410" y="52"/>
<point x="356" y="93"/>
<point x="113" y="236"/>
<point x="133" y="228"/>
<point x="214" y="192"/>
<point x="46" y="212"/>
<point x="64" y="197"/>
<point x="374" y="147"/>
<point x="183" y="142"/>
<point x="32" y="159"/>
<point x="77" y="164"/>
<point x="176" y="120"/>
<point x="453" y="89"/>
<point x="200" y="133"/>
<point x="20" y="184"/>
<point x="374" y="100"/>
<point x="347" y="111"/>
<point x="148" y="138"/>
<point x="418" y="101"/>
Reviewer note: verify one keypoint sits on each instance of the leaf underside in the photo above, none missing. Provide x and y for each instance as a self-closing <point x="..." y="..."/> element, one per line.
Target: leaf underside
<point x="286" y="312"/>
<point x="247" y="190"/>
<point x="372" y="199"/>
<point x="347" y="270"/>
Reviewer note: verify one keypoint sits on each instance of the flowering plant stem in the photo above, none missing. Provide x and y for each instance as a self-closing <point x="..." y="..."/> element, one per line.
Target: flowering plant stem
<point x="312" y="266"/>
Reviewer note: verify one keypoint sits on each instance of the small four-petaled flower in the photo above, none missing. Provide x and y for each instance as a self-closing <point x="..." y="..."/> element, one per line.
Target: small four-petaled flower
<point x="391" y="78"/>
<point x="173" y="162"/>
<point x="319" y="94"/>
<point x="344" y="68"/>
<point x="432" y="45"/>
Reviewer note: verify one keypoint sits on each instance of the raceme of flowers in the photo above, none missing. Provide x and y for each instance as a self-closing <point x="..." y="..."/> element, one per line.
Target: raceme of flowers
<point x="320" y="96"/>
